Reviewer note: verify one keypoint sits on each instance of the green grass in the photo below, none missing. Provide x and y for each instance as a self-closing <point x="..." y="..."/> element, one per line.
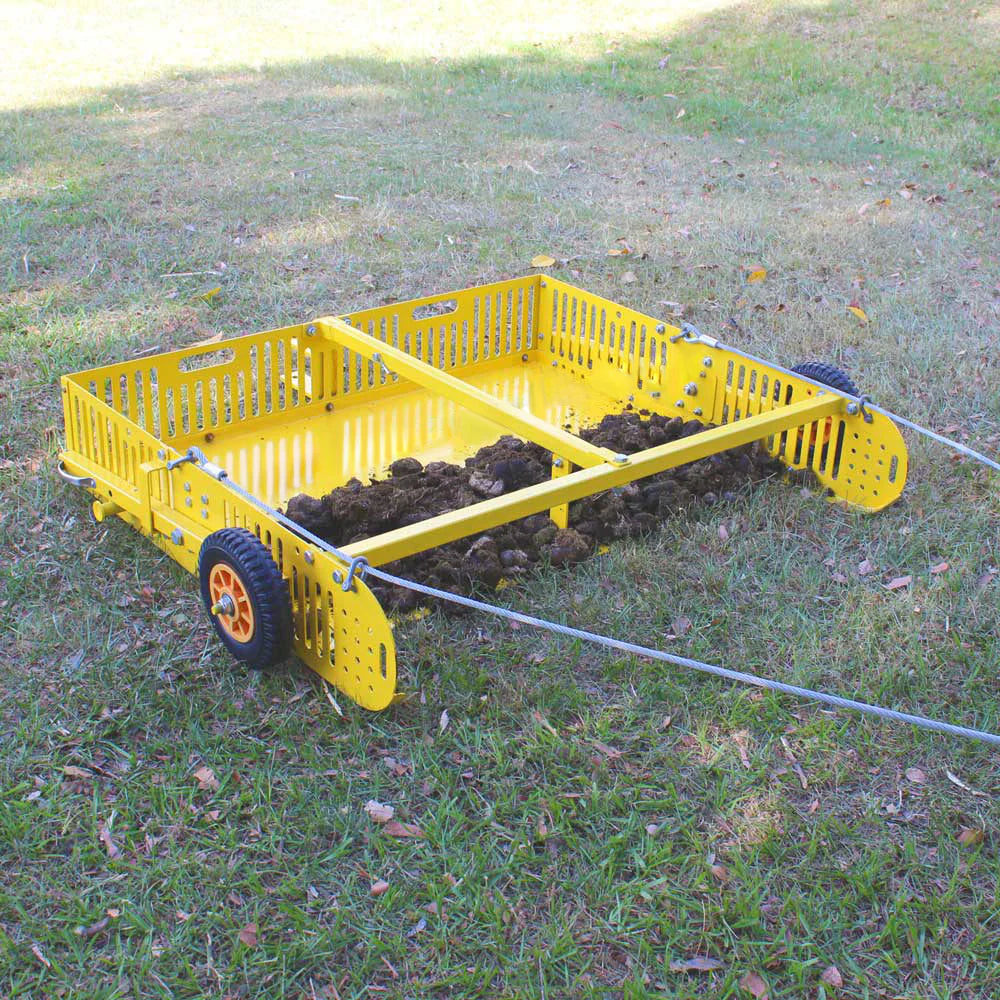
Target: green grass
<point x="773" y="836"/>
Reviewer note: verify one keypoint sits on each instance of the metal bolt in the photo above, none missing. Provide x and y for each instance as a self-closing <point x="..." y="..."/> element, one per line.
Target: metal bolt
<point x="691" y="389"/>
<point x="555" y="364"/>
<point x="311" y="330"/>
<point x="853" y="409"/>
<point x="309" y="557"/>
<point x="679" y="404"/>
<point x="661" y="328"/>
<point x="204" y="514"/>
<point x="188" y="502"/>
<point x="329" y="407"/>
<point x="656" y="394"/>
<point x="338" y="577"/>
<point x="204" y="498"/>
<point x="697" y="411"/>
<point x="621" y="459"/>
<point x="161" y="455"/>
<point x="557" y="463"/>
<point x="524" y="357"/>
<point x="187" y="487"/>
<point x="545" y="284"/>
<point x="177" y="536"/>
<point x="707" y="362"/>
<point x="224" y="606"/>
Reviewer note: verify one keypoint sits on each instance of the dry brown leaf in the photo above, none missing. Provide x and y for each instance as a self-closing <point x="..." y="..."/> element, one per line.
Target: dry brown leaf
<point x="682" y="625"/>
<point x="721" y="872"/>
<point x="832" y="977"/>
<point x="856" y="310"/>
<point x="379" y="887"/>
<point x="37" y="952"/>
<point x="207" y="780"/>
<point x="904" y="194"/>
<point x="628" y="278"/>
<point x="756" y="274"/>
<point x="80" y="773"/>
<point x="696" y="963"/>
<point x="542" y="260"/>
<point x="94" y="929"/>
<point x="248" y="936"/>
<point x="403" y="830"/>
<point x="105" y="835"/>
<point x="969" y="836"/>
<point x="838" y="577"/>
<point x="444" y="720"/>
<point x="723" y="533"/>
<point x="612" y="753"/>
<point x="956" y="780"/>
<point x="941" y="567"/>
<point x="916" y="775"/>
<point x="754" y="985"/>
<point x="865" y="567"/>
<point x="379" y="811"/>
<point x="899" y="582"/>
<point x="620" y="251"/>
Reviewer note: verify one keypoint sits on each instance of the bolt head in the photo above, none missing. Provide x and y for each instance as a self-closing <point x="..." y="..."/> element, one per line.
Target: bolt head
<point x="311" y="330"/>
<point x="557" y="463"/>
<point x="853" y="408"/>
<point x="679" y="404"/>
<point x="707" y="362"/>
<point x="621" y="459"/>
<point x="661" y="328"/>
<point x="691" y="389"/>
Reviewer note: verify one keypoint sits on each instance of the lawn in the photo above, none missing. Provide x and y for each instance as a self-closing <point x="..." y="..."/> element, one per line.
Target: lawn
<point x="593" y="826"/>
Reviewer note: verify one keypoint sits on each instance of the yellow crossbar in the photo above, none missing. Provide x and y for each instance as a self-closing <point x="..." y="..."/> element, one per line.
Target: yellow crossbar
<point x="520" y="422"/>
<point x="478" y="517"/>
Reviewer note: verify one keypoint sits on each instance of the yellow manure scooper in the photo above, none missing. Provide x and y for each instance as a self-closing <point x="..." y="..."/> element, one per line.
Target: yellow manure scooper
<point x="198" y="448"/>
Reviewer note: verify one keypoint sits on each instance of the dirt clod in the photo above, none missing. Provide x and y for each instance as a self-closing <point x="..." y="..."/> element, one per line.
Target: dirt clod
<point x="414" y="492"/>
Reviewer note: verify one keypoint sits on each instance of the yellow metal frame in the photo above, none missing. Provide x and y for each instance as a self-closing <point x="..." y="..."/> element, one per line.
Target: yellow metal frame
<point x="312" y="405"/>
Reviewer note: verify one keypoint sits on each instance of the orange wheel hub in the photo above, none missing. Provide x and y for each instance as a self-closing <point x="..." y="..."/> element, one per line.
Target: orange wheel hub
<point x="224" y="582"/>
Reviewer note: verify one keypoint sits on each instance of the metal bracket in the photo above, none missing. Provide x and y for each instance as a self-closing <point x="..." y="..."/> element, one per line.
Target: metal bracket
<point x="863" y="402"/>
<point x="196" y="455"/>
<point x="357" y="567"/>
<point x="386" y="371"/>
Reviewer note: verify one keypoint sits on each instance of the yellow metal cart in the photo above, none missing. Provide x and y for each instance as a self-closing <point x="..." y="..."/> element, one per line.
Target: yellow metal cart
<point x="199" y="448"/>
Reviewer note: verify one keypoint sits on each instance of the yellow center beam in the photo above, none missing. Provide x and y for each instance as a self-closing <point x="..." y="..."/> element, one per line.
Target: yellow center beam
<point x="514" y="419"/>
<point x="478" y="517"/>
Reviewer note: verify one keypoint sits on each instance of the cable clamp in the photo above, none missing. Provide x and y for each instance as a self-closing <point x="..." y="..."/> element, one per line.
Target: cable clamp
<point x="358" y="568"/>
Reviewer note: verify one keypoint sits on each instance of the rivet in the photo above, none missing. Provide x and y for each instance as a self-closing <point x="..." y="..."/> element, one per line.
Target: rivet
<point x="661" y="328"/>
<point x="679" y="404"/>
<point x="188" y="502"/>
<point x="524" y="357"/>
<point x="691" y="389"/>
<point x="545" y="284"/>
<point x="338" y="577"/>
<point x="209" y="437"/>
<point x="656" y="394"/>
<point x="311" y="330"/>
<point x="204" y="514"/>
<point x="329" y="407"/>
<point x="703" y="374"/>
<point x="204" y="498"/>
<point x="853" y="408"/>
<point x="309" y="557"/>
<point x="707" y="362"/>
<point x="187" y="487"/>
<point x="557" y="463"/>
<point x="697" y="411"/>
<point x="621" y="459"/>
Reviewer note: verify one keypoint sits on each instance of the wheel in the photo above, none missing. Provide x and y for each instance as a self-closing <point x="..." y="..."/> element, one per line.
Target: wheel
<point x="829" y="375"/>
<point x="835" y="378"/>
<point x="246" y="597"/>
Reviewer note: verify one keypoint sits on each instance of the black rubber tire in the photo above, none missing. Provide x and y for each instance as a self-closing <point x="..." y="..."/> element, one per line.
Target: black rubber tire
<point x="240" y="549"/>
<point x="829" y="375"/>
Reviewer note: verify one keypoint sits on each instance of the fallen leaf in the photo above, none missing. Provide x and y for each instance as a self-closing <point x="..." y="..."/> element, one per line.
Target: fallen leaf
<point x="378" y="887"/>
<point x="37" y="952"/>
<point x="754" y="985"/>
<point x="628" y="278"/>
<point x="838" y="577"/>
<point x="697" y="963"/>
<point x="859" y="312"/>
<point x="417" y="928"/>
<point x="619" y="251"/>
<point x="105" y="836"/>
<point x="865" y="567"/>
<point x="207" y="780"/>
<point x="443" y="723"/>
<point x="899" y="582"/>
<point x="904" y="194"/>
<point x="77" y="772"/>
<point x="756" y="274"/>
<point x="680" y="114"/>
<point x="970" y="836"/>
<point x="379" y="812"/>
<point x="956" y="780"/>
<point x="721" y="872"/>
<point x="941" y="567"/>
<point x="542" y="260"/>
<point x="248" y="936"/>
<point x="403" y="830"/>
<point x="612" y="753"/>
<point x="94" y="929"/>
<point x="682" y="625"/>
<point x="915" y="775"/>
<point x="832" y="977"/>
<point x="723" y="533"/>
